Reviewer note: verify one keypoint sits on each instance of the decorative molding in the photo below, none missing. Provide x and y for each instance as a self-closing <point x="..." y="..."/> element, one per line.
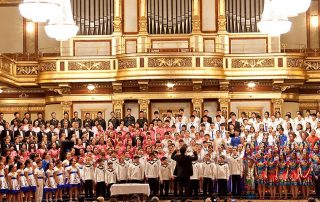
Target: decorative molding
<point x="224" y="85"/>
<point x="295" y="62"/>
<point x="308" y="105"/>
<point x="212" y="62"/>
<point x="143" y="86"/>
<point x="252" y="63"/>
<point x="89" y="65"/>
<point x="277" y="101"/>
<point x="5" y="65"/>
<point x="170" y="62"/>
<point x="222" y="23"/>
<point x="10" y="109"/>
<point x="117" y="25"/>
<point x="127" y="63"/>
<point x="117" y="87"/>
<point x="196" y="24"/>
<point x="197" y="85"/>
<point x="48" y="67"/>
<point x="312" y="65"/>
<point x="118" y="108"/>
<point x="197" y="101"/>
<point x="27" y="70"/>
<point x="143" y="25"/>
<point x="224" y="101"/>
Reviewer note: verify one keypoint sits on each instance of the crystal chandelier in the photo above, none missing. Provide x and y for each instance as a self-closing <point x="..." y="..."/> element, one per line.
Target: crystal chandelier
<point x="293" y="7"/>
<point x="39" y="10"/>
<point x="274" y="22"/>
<point x="62" y="27"/>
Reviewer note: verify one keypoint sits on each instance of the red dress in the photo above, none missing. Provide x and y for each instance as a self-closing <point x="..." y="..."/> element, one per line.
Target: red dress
<point x="293" y="173"/>
<point x="272" y="172"/>
<point x="283" y="173"/>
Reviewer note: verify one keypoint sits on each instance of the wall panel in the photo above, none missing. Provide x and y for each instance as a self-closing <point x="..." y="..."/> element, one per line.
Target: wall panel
<point x="130" y="16"/>
<point x="209" y="15"/>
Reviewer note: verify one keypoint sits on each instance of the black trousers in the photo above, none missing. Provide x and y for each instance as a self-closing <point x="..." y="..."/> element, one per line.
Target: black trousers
<point x="108" y="190"/>
<point x="136" y="181"/>
<point x="164" y="186"/>
<point x="123" y="181"/>
<point x="101" y="189"/>
<point x="317" y="186"/>
<point x="175" y="186"/>
<point x="222" y="187"/>
<point x="207" y="186"/>
<point x="194" y="187"/>
<point x="183" y="185"/>
<point x="88" y="188"/>
<point x="154" y="186"/>
<point x="236" y="185"/>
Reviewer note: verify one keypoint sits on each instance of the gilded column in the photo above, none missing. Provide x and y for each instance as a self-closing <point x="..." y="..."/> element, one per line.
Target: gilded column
<point x="144" y="105"/>
<point x="223" y="38"/>
<point x="118" y="108"/>
<point x="66" y="107"/>
<point x="117" y="28"/>
<point x="224" y="106"/>
<point x="197" y="104"/>
<point x="143" y="18"/>
<point x="196" y="17"/>
<point x="277" y="105"/>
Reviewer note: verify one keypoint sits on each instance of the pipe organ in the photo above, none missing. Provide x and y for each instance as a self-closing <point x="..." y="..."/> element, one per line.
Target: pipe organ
<point x="169" y="16"/>
<point x="94" y="17"/>
<point x="243" y="15"/>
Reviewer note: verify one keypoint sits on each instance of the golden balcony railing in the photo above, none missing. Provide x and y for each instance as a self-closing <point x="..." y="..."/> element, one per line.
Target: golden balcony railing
<point x="175" y="65"/>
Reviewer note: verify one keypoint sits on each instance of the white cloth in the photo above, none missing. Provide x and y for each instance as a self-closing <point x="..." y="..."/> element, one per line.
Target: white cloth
<point x="130" y="188"/>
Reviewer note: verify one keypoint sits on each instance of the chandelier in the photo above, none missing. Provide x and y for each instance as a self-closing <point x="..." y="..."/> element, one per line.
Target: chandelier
<point x="39" y="10"/>
<point x="62" y="27"/>
<point x="293" y="7"/>
<point x="274" y="22"/>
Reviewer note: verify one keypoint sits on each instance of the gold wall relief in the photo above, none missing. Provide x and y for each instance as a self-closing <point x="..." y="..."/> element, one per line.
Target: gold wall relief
<point x="308" y="105"/>
<point x="224" y="106"/>
<point x="89" y="65"/>
<point x="253" y="63"/>
<point x="118" y="108"/>
<point x="312" y="65"/>
<point x="198" y="105"/>
<point x="295" y="62"/>
<point x="48" y="67"/>
<point x="277" y="105"/>
<point x="5" y="65"/>
<point x="27" y="70"/>
<point x="212" y="62"/>
<point x="144" y="106"/>
<point x="127" y="63"/>
<point x="249" y="110"/>
<point x="170" y="62"/>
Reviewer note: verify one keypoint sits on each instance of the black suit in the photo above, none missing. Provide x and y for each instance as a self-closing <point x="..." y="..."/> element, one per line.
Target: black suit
<point x="18" y="133"/>
<point x="77" y="120"/>
<point x="28" y="133"/>
<point x="183" y="170"/>
<point x="236" y="125"/>
<point x="63" y="130"/>
<point x="74" y="132"/>
<point x="6" y="132"/>
<point x="208" y="118"/>
<point x="4" y="148"/>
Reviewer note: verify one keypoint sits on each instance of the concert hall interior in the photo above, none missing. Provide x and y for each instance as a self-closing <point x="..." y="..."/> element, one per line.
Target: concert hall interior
<point x="191" y="99"/>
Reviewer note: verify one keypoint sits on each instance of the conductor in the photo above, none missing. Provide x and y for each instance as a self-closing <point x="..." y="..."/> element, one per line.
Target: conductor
<point x="183" y="169"/>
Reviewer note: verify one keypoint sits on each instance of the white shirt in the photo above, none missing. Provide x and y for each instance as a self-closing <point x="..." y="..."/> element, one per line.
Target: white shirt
<point x="196" y="167"/>
<point x="165" y="172"/>
<point x="152" y="169"/>
<point x="88" y="172"/>
<point x="208" y="169"/>
<point x="222" y="171"/>
<point x="135" y="172"/>
<point x="99" y="174"/>
<point x="235" y="165"/>
<point x="122" y="171"/>
<point x="110" y="176"/>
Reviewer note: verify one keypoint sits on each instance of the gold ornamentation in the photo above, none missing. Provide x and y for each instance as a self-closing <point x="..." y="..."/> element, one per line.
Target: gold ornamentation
<point x="312" y="65"/>
<point x="170" y="62"/>
<point x="212" y="62"/>
<point x="66" y="106"/>
<point x="222" y="23"/>
<point x="308" y="105"/>
<point x="48" y="67"/>
<point x="143" y="24"/>
<point x="277" y="101"/>
<point x="224" y="101"/>
<point x="117" y="87"/>
<point x="65" y="90"/>
<point x="196" y="24"/>
<point x="5" y="65"/>
<point x="27" y="70"/>
<point x="117" y="24"/>
<point x="295" y="62"/>
<point x="127" y="63"/>
<point x="252" y="63"/>
<point x="9" y="109"/>
<point x="118" y="108"/>
<point x="89" y="65"/>
<point x="224" y="85"/>
<point x="144" y="106"/>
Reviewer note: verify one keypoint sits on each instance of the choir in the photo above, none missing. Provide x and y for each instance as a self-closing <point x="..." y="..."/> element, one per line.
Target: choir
<point x="245" y="156"/>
